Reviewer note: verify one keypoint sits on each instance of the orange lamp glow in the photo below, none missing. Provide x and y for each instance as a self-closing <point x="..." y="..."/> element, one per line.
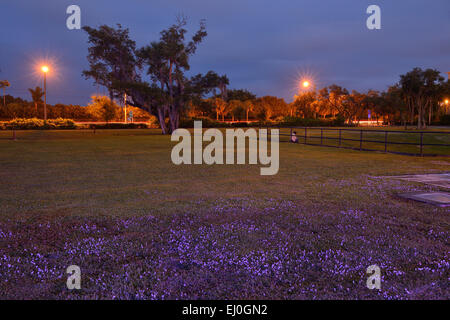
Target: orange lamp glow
<point x="44" y="69"/>
<point x="306" y="84"/>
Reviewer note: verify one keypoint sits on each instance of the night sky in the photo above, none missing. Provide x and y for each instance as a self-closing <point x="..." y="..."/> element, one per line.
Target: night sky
<point x="263" y="46"/>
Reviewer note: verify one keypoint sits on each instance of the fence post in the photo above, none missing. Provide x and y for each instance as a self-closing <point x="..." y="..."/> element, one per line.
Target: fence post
<point x="306" y="133"/>
<point x="340" y="137"/>
<point x="360" y="140"/>
<point x="290" y="138"/>
<point x="421" y="144"/>
<point x="321" y="136"/>
<point x="385" y="141"/>
<point x="14" y="135"/>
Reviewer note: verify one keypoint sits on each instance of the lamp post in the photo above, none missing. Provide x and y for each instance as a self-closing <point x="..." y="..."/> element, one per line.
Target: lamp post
<point x="45" y="70"/>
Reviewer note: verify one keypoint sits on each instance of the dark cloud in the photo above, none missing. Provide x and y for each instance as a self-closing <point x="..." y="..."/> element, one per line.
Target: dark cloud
<point x="261" y="45"/>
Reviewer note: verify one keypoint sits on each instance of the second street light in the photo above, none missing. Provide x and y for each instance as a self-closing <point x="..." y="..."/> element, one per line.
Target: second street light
<point x="45" y="70"/>
<point x="306" y="84"/>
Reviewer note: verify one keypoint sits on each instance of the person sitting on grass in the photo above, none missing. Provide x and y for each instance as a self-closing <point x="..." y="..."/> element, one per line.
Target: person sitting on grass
<point x="294" y="138"/>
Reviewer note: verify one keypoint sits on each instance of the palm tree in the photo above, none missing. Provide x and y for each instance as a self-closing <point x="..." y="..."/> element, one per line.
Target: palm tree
<point x="36" y="96"/>
<point x="3" y="85"/>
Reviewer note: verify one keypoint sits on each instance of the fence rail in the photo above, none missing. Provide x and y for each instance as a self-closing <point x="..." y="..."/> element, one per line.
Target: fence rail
<point x="320" y="136"/>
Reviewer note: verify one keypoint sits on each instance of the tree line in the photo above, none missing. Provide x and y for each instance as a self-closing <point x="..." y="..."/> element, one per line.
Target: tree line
<point x="101" y="108"/>
<point x="420" y="97"/>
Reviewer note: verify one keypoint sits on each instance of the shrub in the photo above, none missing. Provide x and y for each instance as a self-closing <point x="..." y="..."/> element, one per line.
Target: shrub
<point x="61" y="123"/>
<point x="24" y="124"/>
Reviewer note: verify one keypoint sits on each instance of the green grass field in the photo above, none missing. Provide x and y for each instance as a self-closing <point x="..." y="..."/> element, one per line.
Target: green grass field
<point x="141" y="227"/>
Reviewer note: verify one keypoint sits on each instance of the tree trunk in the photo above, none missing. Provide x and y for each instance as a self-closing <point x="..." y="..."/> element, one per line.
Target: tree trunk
<point x="174" y="118"/>
<point x="411" y="112"/>
<point x="162" y="120"/>
<point x="419" y="117"/>
<point x="430" y="109"/>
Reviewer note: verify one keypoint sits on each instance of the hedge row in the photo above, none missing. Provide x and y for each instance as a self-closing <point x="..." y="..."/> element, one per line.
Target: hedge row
<point x="119" y="126"/>
<point x="285" y="122"/>
<point x="304" y="122"/>
<point x="34" y="123"/>
<point x="39" y="124"/>
<point x="206" y="123"/>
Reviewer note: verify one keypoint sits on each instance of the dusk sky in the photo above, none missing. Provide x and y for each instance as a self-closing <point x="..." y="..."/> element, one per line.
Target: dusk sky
<point x="263" y="46"/>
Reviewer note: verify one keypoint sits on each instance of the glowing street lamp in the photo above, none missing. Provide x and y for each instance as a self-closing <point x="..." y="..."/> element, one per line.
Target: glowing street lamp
<point x="445" y="104"/>
<point x="45" y="70"/>
<point x="307" y="84"/>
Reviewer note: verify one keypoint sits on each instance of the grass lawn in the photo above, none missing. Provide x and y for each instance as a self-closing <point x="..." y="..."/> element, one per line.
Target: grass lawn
<point x="140" y="227"/>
